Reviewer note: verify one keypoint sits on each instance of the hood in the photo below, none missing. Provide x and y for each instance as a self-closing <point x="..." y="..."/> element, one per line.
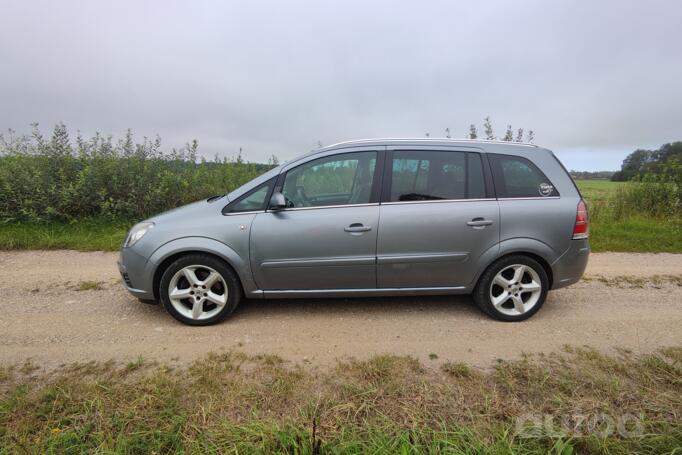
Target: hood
<point x="190" y="210"/>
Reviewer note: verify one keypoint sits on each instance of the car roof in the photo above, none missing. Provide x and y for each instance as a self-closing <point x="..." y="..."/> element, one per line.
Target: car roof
<point x="423" y="141"/>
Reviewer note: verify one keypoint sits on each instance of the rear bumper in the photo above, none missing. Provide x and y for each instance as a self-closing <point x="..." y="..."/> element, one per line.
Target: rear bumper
<point x="570" y="266"/>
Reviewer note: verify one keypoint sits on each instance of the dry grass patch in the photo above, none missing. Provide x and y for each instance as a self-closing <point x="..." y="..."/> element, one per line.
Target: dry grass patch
<point x="633" y="282"/>
<point x="233" y="402"/>
<point x="90" y="285"/>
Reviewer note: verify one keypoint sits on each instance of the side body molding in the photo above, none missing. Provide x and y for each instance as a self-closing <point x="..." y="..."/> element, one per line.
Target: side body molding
<point x="207" y="245"/>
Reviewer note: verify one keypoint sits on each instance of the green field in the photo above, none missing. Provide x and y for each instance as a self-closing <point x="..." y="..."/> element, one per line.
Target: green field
<point x="632" y="233"/>
<point x="597" y="190"/>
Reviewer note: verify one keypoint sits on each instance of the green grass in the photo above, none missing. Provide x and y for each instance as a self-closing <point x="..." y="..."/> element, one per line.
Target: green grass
<point x="631" y="234"/>
<point x="235" y="403"/>
<point x="85" y="235"/>
<point x="636" y="235"/>
<point x="597" y="190"/>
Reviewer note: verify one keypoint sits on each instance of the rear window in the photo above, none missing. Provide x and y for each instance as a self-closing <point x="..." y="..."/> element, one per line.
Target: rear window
<point x="516" y="176"/>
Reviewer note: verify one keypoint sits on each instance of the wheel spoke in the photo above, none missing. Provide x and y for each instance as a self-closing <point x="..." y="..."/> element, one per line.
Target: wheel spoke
<point x="501" y="281"/>
<point x="197" y="309"/>
<point x="212" y="279"/>
<point x="500" y="299"/>
<point x="218" y="299"/>
<point x="190" y="275"/>
<point x="518" y="273"/>
<point x="180" y="293"/>
<point x="531" y="287"/>
<point x="518" y="304"/>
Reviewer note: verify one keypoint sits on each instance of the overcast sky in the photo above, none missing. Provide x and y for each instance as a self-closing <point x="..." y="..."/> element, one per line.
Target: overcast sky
<point x="594" y="79"/>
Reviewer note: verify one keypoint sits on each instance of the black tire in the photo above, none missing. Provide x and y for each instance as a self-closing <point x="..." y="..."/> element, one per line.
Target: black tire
<point x="234" y="290"/>
<point x="482" y="297"/>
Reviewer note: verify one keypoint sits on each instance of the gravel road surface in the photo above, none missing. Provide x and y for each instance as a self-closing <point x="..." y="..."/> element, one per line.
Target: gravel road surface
<point x="630" y="301"/>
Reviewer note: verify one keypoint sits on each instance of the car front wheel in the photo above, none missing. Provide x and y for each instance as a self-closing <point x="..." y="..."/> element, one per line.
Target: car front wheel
<point x="512" y="289"/>
<point x="199" y="289"/>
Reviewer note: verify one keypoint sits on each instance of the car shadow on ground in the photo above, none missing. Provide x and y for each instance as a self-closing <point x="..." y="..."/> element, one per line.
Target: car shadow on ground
<point x="442" y="306"/>
<point x="371" y="306"/>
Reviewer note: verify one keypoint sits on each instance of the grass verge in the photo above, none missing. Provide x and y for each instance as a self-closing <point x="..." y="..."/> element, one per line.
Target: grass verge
<point x="636" y="235"/>
<point x="85" y="235"/>
<point x="580" y="400"/>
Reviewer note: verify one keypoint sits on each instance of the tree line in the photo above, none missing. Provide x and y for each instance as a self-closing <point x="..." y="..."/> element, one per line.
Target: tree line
<point x="663" y="164"/>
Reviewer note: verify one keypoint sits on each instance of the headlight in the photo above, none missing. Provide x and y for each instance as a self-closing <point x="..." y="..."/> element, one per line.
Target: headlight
<point x="136" y="233"/>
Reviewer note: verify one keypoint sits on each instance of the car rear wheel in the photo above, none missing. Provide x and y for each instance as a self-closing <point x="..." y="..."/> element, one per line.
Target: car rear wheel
<point x="512" y="289"/>
<point x="199" y="289"/>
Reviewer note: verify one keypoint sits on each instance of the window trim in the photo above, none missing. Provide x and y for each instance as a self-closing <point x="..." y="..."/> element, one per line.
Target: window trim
<point x="227" y="210"/>
<point x="388" y="177"/>
<point x="493" y="156"/>
<point x="440" y="201"/>
<point x="340" y="206"/>
<point x="374" y="192"/>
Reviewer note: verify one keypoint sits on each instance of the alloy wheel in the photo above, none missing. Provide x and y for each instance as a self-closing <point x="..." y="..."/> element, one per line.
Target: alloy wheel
<point x="197" y="292"/>
<point x="515" y="290"/>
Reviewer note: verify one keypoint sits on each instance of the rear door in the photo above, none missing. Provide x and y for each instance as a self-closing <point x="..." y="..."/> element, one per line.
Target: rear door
<point x="326" y="238"/>
<point x="437" y="217"/>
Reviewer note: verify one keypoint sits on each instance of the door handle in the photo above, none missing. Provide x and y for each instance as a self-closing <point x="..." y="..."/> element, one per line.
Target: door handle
<point x="357" y="227"/>
<point x="479" y="222"/>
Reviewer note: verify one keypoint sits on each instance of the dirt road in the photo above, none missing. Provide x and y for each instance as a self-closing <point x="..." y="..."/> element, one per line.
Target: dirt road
<point x="46" y="317"/>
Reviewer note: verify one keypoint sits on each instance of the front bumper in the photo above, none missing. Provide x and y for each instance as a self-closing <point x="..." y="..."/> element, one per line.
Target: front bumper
<point x="131" y="266"/>
<point x="570" y="266"/>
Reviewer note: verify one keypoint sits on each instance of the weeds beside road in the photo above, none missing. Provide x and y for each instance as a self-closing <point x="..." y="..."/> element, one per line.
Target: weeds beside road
<point x="579" y="400"/>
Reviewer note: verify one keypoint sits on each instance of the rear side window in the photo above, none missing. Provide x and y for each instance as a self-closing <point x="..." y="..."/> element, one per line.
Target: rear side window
<point x="516" y="176"/>
<point x="419" y="175"/>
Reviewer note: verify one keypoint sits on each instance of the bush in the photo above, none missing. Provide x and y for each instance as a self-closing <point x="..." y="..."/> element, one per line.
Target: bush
<point x="55" y="180"/>
<point x="647" y="198"/>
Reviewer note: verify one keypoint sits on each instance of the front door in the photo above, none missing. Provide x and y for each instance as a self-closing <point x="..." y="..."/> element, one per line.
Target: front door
<point x="437" y="218"/>
<point x="326" y="237"/>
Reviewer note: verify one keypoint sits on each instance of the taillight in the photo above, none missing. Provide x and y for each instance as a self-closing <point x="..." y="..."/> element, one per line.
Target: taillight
<point x="581" y="229"/>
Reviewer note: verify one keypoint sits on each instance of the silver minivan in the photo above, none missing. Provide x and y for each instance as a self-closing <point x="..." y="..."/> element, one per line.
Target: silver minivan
<point x="501" y="221"/>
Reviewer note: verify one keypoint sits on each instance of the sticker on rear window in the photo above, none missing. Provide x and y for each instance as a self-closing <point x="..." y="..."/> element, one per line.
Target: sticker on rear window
<point x="545" y="189"/>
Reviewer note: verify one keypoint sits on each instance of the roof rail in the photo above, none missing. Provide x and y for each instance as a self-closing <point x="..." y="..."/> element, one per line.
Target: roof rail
<point x="430" y="139"/>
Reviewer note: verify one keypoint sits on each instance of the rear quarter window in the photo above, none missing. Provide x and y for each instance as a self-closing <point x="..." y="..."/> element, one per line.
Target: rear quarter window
<point x="517" y="177"/>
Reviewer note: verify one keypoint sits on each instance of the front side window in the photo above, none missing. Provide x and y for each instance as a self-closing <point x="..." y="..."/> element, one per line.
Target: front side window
<point x="419" y="175"/>
<point x="254" y="200"/>
<point x="516" y="177"/>
<point x="334" y="180"/>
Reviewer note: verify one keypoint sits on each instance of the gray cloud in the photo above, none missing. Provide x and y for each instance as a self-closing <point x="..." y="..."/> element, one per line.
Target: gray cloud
<point x="595" y="80"/>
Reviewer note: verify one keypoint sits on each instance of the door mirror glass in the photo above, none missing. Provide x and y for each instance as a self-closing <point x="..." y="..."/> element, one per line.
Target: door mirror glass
<point x="277" y="201"/>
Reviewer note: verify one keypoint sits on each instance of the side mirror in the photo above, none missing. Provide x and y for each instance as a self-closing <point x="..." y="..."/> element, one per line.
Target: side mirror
<point x="277" y="201"/>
